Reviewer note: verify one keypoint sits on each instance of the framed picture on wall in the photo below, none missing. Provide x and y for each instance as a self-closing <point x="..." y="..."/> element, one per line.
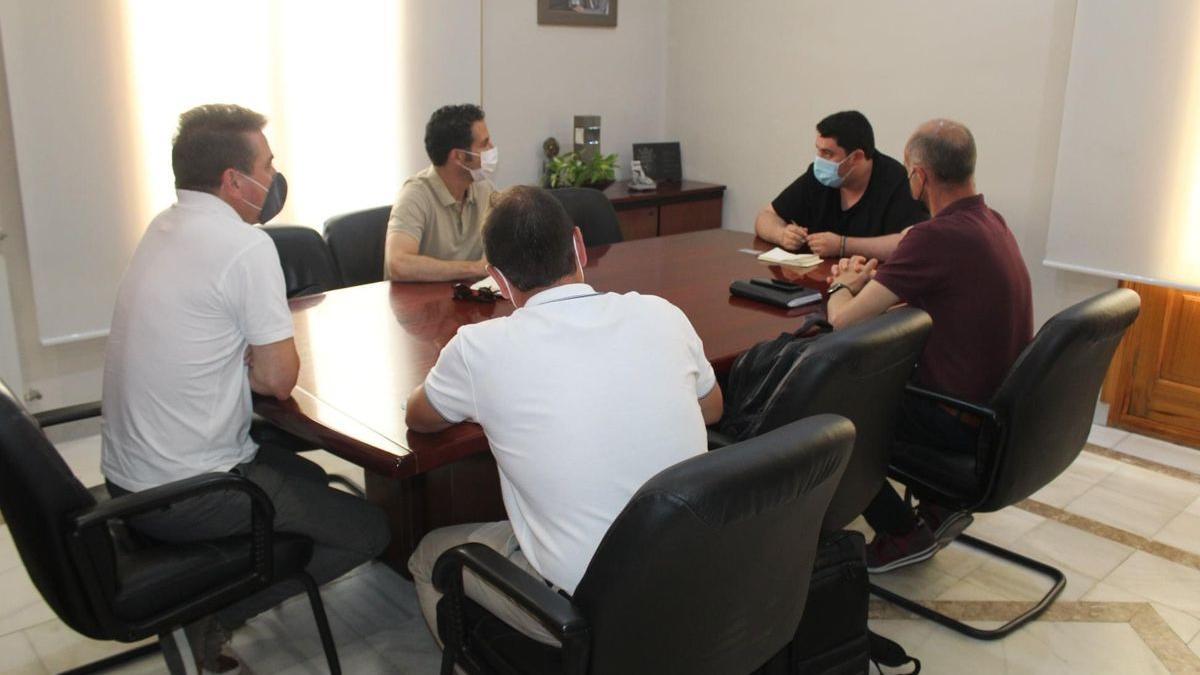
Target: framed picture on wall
<point x="577" y="12"/>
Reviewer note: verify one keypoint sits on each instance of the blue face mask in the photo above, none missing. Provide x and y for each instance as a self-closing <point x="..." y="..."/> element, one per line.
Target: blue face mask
<point x="275" y="195"/>
<point x="826" y="172"/>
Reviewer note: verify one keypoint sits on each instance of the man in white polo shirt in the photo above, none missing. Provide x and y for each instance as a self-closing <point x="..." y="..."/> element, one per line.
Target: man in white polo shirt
<point x="202" y="320"/>
<point x="583" y="396"/>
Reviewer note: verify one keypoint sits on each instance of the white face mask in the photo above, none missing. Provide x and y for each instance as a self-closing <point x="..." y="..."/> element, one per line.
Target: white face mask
<point x="502" y="282"/>
<point x="488" y="161"/>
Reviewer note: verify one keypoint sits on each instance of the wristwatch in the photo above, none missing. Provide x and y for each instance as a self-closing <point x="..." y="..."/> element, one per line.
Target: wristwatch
<point x="837" y="286"/>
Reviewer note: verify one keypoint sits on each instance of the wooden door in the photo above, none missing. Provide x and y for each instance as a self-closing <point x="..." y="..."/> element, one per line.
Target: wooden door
<point x="1157" y="379"/>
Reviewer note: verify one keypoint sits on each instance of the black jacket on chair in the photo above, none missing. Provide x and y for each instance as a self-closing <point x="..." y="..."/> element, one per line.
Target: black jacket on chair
<point x="859" y="373"/>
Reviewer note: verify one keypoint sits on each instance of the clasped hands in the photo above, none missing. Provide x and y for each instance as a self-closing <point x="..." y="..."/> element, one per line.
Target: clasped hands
<point x="853" y="272"/>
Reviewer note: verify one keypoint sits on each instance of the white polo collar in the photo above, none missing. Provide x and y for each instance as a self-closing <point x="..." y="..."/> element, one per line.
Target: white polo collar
<point x="564" y="292"/>
<point x="195" y="199"/>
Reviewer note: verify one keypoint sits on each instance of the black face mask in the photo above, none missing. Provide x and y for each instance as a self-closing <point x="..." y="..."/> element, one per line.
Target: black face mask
<point x="274" y="199"/>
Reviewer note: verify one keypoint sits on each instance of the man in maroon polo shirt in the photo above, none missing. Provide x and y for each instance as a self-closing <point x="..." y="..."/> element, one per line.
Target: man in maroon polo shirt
<point x="964" y="268"/>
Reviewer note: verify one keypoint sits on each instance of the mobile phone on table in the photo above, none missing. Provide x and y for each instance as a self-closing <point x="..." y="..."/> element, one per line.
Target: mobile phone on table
<point x="777" y="284"/>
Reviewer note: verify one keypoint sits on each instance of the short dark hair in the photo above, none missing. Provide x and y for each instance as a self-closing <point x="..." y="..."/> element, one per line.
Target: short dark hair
<point x="850" y="130"/>
<point x="529" y="237"/>
<point x="946" y="148"/>
<point x="212" y="138"/>
<point x="449" y="128"/>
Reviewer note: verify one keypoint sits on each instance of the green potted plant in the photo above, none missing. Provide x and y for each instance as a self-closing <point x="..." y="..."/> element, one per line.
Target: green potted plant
<point x="571" y="170"/>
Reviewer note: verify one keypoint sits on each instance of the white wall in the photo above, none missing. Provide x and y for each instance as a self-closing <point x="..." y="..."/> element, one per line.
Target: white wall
<point x="440" y="56"/>
<point x="537" y="78"/>
<point x="747" y="83"/>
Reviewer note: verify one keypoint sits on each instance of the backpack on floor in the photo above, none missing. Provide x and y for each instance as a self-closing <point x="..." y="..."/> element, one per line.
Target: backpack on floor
<point x="833" y="638"/>
<point x="757" y="373"/>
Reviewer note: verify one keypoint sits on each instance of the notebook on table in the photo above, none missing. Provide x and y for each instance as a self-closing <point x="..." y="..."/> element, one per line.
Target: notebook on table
<point x="778" y="256"/>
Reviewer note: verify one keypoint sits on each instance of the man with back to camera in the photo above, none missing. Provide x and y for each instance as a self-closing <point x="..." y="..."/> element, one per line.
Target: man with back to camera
<point x="852" y="200"/>
<point x="583" y="396"/>
<point x="964" y="268"/>
<point x="434" y="230"/>
<point x="201" y="320"/>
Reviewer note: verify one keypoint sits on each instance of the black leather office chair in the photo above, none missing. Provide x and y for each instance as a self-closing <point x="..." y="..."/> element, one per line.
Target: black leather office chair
<point x="308" y="266"/>
<point x="1033" y="428"/>
<point x="109" y="583"/>
<point x="357" y="241"/>
<point x="859" y="373"/>
<point x="592" y="212"/>
<point x="705" y="570"/>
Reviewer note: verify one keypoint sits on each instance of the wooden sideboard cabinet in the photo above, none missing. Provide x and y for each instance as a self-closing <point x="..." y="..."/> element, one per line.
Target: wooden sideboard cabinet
<point x="671" y="209"/>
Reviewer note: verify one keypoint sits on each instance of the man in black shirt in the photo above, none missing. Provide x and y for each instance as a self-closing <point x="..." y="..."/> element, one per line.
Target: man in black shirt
<point x="852" y="200"/>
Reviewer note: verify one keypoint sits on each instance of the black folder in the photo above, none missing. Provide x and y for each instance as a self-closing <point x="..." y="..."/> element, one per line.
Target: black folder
<point x="773" y="295"/>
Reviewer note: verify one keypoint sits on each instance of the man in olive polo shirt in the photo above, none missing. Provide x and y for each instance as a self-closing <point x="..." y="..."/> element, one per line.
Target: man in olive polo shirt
<point x="434" y="231"/>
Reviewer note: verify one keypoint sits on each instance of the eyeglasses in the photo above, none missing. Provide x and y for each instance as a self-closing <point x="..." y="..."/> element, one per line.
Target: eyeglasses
<point x="465" y="292"/>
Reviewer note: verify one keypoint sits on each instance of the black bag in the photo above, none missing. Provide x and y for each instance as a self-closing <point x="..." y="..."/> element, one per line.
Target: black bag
<point x="757" y="373"/>
<point x="833" y="638"/>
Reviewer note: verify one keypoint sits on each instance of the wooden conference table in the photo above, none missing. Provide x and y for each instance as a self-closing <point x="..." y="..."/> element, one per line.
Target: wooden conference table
<point x="364" y="348"/>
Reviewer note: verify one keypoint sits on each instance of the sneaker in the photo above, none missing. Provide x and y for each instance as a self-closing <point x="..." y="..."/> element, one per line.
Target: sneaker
<point x="945" y="523"/>
<point x="888" y="552"/>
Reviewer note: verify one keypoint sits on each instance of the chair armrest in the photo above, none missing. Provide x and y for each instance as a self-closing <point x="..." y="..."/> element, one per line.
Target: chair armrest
<point x="552" y="610"/>
<point x="165" y="495"/>
<point x="717" y="439"/>
<point x="262" y="511"/>
<point x="71" y="413"/>
<point x="958" y="404"/>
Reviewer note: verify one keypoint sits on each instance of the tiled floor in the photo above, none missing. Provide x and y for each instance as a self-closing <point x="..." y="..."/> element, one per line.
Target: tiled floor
<point x="1123" y="523"/>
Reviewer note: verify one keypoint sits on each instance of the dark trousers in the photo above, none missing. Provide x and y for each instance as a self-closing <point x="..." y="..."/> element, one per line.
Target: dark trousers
<point x="346" y="531"/>
<point x="922" y="422"/>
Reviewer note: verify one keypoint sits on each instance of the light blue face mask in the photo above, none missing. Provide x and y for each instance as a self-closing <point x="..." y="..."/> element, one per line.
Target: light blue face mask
<point x="826" y="171"/>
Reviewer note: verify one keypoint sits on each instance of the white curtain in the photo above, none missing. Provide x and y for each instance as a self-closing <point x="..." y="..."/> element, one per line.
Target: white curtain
<point x="1127" y="190"/>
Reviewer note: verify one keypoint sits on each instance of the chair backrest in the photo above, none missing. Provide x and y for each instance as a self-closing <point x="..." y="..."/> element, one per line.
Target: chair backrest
<point x="592" y="212"/>
<point x="356" y="241"/>
<point x="1047" y="400"/>
<point x="858" y="373"/>
<point x="706" y="569"/>
<point x="308" y="266"/>
<point x="38" y="493"/>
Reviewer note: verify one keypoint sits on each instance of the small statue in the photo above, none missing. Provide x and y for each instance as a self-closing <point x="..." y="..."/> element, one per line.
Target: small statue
<point x="550" y="149"/>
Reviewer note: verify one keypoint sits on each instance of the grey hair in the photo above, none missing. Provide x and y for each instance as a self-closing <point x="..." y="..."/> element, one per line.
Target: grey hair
<point x="946" y="148"/>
